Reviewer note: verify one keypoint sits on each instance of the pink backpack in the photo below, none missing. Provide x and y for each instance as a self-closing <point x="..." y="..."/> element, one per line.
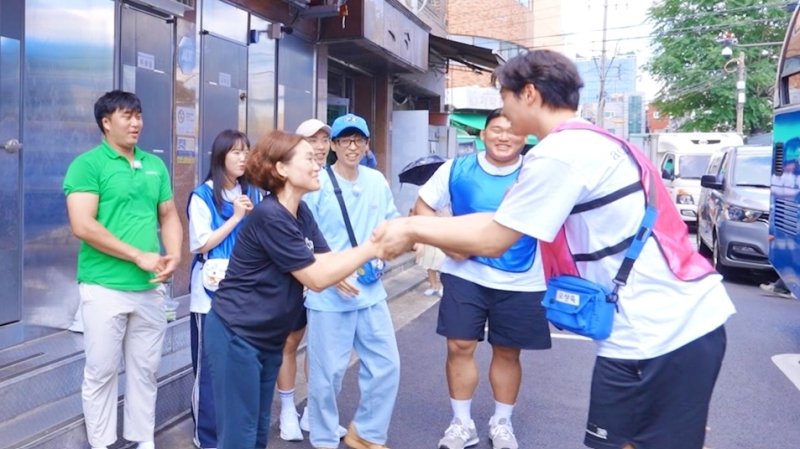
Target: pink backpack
<point x="670" y="232"/>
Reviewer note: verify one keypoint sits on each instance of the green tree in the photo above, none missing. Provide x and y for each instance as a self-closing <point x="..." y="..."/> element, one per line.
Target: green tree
<point x="697" y="89"/>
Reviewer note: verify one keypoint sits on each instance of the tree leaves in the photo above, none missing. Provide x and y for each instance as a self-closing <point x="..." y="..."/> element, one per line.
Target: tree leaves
<point x="697" y="92"/>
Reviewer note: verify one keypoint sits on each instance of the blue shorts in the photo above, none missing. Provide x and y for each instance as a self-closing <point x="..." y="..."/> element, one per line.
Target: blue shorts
<point x="659" y="403"/>
<point x="516" y="319"/>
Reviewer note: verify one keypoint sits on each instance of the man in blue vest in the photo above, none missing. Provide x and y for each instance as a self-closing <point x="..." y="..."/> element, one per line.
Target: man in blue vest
<point x="505" y="291"/>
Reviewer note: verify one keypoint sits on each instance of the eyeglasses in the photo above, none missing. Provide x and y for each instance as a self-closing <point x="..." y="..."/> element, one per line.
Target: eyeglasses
<point x="358" y="141"/>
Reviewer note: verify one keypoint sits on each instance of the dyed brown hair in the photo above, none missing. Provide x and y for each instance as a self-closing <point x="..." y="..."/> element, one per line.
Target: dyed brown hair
<point x="261" y="169"/>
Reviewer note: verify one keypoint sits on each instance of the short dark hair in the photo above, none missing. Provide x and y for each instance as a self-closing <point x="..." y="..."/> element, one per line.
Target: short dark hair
<point x="493" y="115"/>
<point x="223" y="144"/>
<point x="553" y="75"/>
<point x="261" y="169"/>
<point x="113" y="101"/>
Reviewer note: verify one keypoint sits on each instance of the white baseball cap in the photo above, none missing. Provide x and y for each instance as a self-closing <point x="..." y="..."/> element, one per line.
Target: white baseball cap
<point x="312" y="126"/>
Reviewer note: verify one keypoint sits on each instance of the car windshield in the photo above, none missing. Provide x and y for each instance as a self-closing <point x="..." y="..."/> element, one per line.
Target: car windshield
<point x="693" y="166"/>
<point x="752" y="170"/>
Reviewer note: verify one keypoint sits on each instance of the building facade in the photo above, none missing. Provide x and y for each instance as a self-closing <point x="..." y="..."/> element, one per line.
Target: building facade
<point x="656" y="121"/>
<point x="506" y="27"/>
<point x="623" y="108"/>
<point x="199" y="66"/>
<point x="548" y="24"/>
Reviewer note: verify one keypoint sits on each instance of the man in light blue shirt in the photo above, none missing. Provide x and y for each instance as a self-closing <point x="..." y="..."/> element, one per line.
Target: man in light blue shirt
<point x="353" y="315"/>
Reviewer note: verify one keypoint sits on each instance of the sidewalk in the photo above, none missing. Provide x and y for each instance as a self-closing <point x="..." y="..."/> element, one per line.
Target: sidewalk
<point x="406" y="302"/>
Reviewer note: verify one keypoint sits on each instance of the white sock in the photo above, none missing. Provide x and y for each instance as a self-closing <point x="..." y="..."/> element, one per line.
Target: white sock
<point x="462" y="410"/>
<point x="146" y="445"/>
<point x="287" y="401"/>
<point x="502" y="411"/>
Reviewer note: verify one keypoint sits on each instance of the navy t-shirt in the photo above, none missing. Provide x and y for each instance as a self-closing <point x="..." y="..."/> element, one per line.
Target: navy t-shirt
<point x="259" y="299"/>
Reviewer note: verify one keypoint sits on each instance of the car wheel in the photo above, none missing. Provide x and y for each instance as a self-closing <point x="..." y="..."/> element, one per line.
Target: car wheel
<point x="701" y="247"/>
<point x="717" y="260"/>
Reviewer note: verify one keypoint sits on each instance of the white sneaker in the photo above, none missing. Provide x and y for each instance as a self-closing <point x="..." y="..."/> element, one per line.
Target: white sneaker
<point x="304" y="420"/>
<point x="459" y="436"/>
<point x="430" y="292"/>
<point x="307" y="427"/>
<point x="502" y="434"/>
<point x="775" y="290"/>
<point x="146" y="445"/>
<point x="290" y="426"/>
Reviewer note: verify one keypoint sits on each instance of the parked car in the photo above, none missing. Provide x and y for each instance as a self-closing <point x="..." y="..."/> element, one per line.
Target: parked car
<point x="733" y="222"/>
<point x="683" y="158"/>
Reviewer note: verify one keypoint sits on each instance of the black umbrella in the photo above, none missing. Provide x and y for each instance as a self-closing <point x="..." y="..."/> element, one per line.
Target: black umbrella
<point x="421" y="170"/>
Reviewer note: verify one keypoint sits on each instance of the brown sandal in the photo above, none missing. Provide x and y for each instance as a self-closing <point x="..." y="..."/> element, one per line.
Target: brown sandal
<point x="354" y="440"/>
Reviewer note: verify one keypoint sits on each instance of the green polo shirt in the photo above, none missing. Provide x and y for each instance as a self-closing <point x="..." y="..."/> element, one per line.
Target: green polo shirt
<point x="128" y="207"/>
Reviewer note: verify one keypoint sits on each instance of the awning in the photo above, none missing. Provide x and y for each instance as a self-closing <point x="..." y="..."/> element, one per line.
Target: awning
<point x="478" y="58"/>
<point x="474" y="121"/>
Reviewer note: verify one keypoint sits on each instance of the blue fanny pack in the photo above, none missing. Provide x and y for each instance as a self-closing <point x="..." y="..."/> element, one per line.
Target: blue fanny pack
<point x="371" y="271"/>
<point x="585" y="307"/>
<point x="580" y="306"/>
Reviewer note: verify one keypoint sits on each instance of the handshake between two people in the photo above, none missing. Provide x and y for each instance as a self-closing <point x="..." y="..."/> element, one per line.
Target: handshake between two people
<point x="394" y="237"/>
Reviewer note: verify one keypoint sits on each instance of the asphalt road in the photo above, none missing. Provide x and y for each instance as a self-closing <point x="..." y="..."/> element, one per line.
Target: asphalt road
<point x="756" y="404"/>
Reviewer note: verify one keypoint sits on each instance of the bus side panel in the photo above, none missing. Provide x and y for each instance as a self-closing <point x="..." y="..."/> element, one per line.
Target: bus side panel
<point x="785" y="198"/>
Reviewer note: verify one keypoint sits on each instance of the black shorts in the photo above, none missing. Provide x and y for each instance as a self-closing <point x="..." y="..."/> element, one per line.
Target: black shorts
<point x="516" y="319"/>
<point x="659" y="403"/>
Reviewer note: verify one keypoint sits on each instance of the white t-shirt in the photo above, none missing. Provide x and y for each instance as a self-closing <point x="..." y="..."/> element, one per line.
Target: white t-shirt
<point x="199" y="233"/>
<point x="658" y="313"/>
<point x="436" y="194"/>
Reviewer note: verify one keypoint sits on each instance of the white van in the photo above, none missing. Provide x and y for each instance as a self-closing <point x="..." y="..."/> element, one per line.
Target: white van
<point x="683" y="159"/>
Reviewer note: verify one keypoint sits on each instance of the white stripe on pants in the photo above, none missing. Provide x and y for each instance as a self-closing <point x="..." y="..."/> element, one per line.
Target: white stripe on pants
<point x="117" y="323"/>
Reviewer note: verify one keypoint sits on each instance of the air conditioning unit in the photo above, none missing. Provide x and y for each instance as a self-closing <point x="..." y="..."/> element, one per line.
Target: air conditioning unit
<point x="176" y="7"/>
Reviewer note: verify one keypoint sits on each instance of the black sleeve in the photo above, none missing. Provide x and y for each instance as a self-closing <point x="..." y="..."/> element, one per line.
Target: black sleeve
<point x="320" y="244"/>
<point x="281" y="237"/>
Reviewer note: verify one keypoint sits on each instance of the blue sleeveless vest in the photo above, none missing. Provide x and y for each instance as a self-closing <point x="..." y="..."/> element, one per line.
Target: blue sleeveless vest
<point x="218" y="218"/>
<point x="473" y="190"/>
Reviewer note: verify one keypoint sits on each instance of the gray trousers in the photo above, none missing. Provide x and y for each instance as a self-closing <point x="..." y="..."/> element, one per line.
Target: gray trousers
<point x="117" y="324"/>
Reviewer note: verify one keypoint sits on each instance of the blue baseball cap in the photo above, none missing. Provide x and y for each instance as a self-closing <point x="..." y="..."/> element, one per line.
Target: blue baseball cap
<point x="349" y="121"/>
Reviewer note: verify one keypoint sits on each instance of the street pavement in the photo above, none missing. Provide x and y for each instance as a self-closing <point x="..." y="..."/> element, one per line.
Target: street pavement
<point x="756" y="404"/>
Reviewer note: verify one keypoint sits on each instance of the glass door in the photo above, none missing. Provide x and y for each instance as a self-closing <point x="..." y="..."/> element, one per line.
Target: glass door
<point x="11" y="20"/>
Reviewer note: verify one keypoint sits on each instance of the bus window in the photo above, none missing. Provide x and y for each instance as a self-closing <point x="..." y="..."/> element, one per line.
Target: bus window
<point x="789" y="66"/>
<point x="793" y="88"/>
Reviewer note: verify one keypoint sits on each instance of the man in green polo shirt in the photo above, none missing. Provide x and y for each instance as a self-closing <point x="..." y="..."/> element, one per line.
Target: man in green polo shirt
<point x="117" y="195"/>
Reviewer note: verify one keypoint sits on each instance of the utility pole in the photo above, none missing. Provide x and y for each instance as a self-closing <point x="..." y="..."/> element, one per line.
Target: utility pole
<point x="740" y="93"/>
<point x="601" y="100"/>
<point x="728" y="40"/>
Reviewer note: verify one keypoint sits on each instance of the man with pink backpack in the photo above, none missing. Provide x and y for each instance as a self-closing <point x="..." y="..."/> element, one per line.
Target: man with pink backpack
<point x="583" y="194"/>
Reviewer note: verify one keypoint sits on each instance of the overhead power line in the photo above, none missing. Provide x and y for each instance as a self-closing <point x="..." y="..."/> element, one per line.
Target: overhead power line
<point x="672" y="32"/>
<point x="492" y="18"/>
